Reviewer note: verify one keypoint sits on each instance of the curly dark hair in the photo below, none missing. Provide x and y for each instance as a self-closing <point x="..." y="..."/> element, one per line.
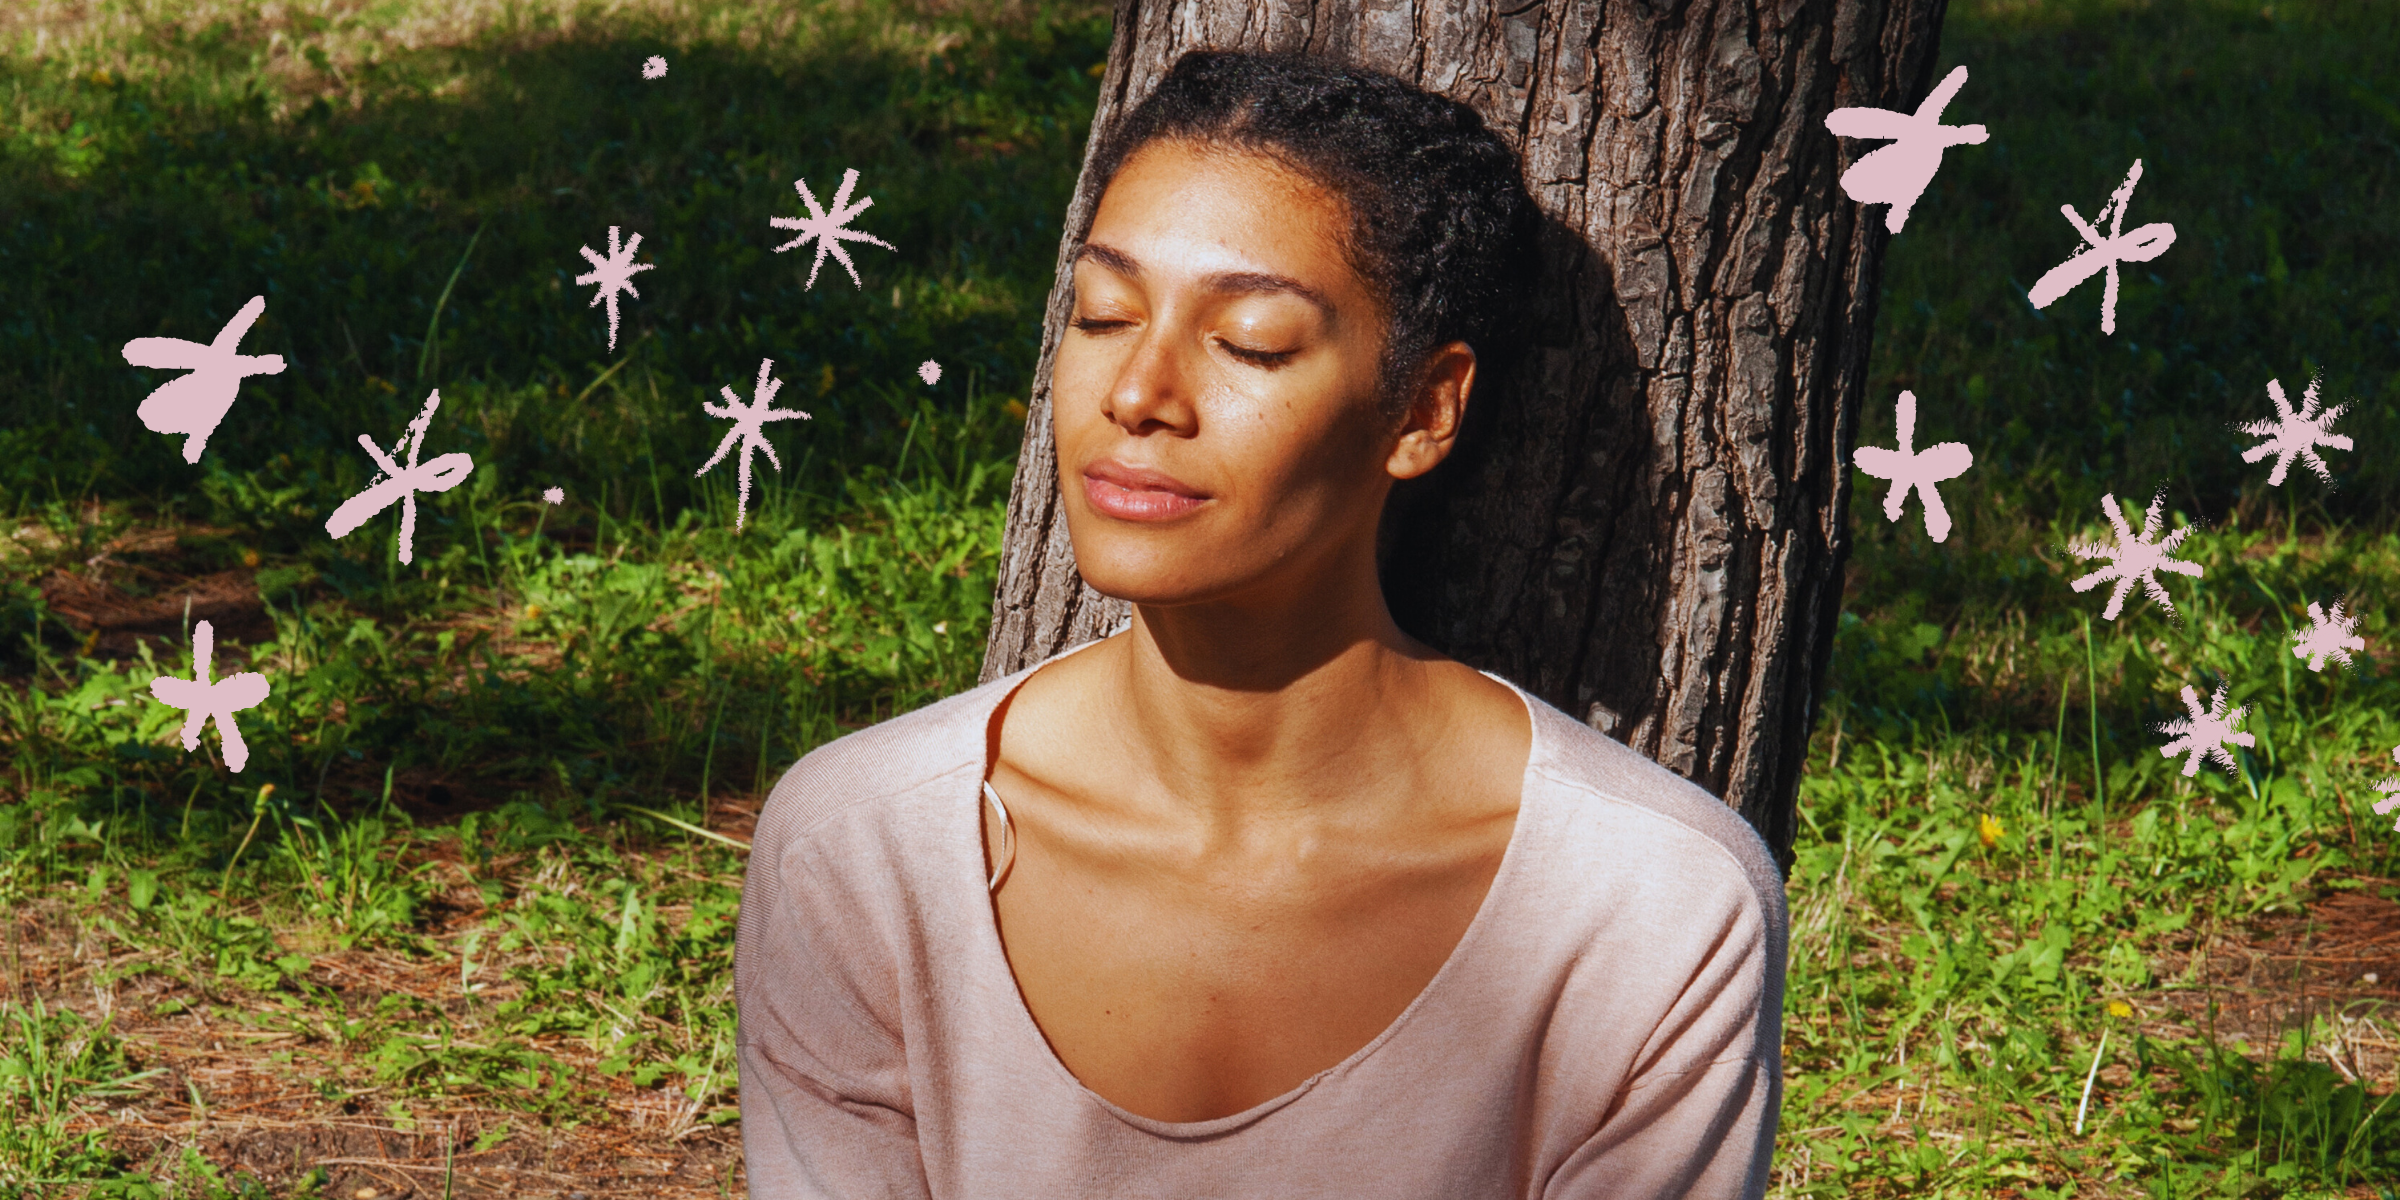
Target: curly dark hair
<point x="1441" y="225"/>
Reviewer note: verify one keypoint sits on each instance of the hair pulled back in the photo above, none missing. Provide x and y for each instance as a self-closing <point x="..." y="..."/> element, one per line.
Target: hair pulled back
<point x="1441" y="225"/>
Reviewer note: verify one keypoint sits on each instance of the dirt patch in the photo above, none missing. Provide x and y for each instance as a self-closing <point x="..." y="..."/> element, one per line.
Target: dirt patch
<point x="2331" y="972"/>
<point x="228" y="600"/>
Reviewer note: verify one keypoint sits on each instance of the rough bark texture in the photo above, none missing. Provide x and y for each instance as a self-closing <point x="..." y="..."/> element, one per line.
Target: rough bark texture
<point x="1650" y="532"/>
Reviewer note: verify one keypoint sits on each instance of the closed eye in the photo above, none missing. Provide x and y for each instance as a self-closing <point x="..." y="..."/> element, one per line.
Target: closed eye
<point x="1263" y="358"/>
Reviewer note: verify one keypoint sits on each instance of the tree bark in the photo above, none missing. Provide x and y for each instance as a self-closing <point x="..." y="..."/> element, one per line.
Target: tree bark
<point x="1651" y="531"/>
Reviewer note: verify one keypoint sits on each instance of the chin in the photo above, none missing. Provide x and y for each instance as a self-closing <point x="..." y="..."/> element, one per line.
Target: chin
<point x="1156" y="566"/>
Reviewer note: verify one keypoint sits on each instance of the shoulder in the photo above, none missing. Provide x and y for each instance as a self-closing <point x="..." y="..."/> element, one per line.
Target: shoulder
<point x="1650" y="830"/>
<point x="891" y="759"/>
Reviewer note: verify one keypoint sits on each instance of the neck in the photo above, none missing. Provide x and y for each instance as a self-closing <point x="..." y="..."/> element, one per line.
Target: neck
<point x="1264" y="708"/>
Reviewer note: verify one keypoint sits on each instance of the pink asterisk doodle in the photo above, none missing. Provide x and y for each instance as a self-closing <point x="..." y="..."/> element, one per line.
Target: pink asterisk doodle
<point x="829" y="229"/>
<point x="1911" y="469"/>
<point x="2328" y="637"/>
<point x="201" y="699"/>
<point x="2099" y="254"/>
<point x="2390" y="787"/>
<point x="195" y="403"/>
<point x="2296" y="433"/>
<point x="654" y="67"/>
<point x="2205" y="732"/>
<point x="929" y="371"/>
<point x="1897" y="174"/>
<point x="2134" y="558"/>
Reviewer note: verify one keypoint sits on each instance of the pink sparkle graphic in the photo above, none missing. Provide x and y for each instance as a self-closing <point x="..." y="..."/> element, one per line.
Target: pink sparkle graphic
<point x="396" y="482"/>
<point x="2099" y="254"/>
<point x="614" y="274"/>
<point x="195" y="403"/>
<point x="2328" y="637"/>
<point x="2296" y="433"/>
<point x="2205" y="732"/>
<point x="2390" y="787"/>
<point x="930" y="371"/>
<point x="2134" y="558"/>
<point x="201" y="699"/>
<point x="654" y="67"/>
<point x="1910" y="469"/>
<point x="749" y="427"/>
<point x="829" y="229"/>
<point x="1898" y="174"/>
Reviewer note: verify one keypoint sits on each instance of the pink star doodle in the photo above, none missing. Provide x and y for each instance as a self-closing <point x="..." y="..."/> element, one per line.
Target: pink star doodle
<point x="202" y="699"/>
<point x="829" y="230"/>
<point x="749" y="428"/>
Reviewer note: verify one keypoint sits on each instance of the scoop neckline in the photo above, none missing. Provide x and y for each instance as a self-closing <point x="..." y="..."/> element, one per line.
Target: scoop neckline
<point x="987" y="933"/>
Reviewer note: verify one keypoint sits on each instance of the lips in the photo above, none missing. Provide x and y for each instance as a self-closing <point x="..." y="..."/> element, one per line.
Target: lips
<point x="1131" y="493"/>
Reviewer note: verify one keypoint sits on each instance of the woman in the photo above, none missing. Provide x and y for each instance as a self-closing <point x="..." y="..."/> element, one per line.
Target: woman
<point x="1272" y="900"/>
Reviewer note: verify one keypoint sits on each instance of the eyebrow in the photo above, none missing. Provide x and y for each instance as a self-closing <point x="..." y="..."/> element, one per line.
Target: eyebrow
<point x="1220" y="283"/>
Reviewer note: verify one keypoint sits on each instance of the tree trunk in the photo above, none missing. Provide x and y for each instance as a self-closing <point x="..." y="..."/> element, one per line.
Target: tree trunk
<point x="1652" y="531"/>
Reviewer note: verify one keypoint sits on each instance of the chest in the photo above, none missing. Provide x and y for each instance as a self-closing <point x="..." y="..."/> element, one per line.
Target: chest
<point x="1185" y="998"/>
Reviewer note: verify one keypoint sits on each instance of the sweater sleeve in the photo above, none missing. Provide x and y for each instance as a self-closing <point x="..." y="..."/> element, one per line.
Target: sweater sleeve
<point x="825" y="1099"/>
<point x="1697" y="1119"/>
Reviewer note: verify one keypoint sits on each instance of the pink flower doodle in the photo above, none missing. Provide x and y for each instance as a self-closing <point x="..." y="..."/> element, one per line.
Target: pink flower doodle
<point x="1912" y="469"/>
<point x="201" y="699"/>
<point x="195" y="403"/>
<point x="402" y="483"/>
<point x="2099" y="254"/>
<point x="1897" y="174"/>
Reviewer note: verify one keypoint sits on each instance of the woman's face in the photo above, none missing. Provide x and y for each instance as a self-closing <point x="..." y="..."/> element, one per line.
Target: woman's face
<point x="1213" y="399"/>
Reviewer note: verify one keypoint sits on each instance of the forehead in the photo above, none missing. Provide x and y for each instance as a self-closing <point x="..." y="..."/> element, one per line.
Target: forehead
<point x="1180" y="210"/>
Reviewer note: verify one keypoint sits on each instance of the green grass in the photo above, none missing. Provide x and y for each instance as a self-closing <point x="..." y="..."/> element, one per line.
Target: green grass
<point x="471" y="910"/>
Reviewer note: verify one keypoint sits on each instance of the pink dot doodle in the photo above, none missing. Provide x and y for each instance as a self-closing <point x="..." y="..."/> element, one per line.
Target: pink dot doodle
<point x="400" y="483"/>
<point x="1897" y="174"/>
<point x="930" y="371"/>
<point x="555" y="496"/>
<point x="654" y="67"/>
<point x="195" y="403"/>
<point x="1918" y="470"/>
<point x="2099" y="254"/>
<point x="201" y="699"/>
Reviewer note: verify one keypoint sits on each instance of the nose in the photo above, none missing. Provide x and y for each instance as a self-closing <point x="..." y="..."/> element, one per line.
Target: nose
<point x="1152" y="392"/>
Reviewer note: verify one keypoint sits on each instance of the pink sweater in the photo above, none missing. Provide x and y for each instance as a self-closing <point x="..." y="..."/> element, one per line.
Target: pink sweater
<point x="1609" y="1026"/>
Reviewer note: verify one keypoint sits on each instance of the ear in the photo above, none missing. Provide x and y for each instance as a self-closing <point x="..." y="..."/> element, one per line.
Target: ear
<point x="1431" y="425"/>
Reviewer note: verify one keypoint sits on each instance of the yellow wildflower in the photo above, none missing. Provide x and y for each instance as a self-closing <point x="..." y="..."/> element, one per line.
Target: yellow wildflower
<point x="1989" y="831"/>
<point x="2119" y="1009"/>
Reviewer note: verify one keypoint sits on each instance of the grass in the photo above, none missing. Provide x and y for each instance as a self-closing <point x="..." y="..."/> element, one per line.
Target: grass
<point x="476" y="935"/>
